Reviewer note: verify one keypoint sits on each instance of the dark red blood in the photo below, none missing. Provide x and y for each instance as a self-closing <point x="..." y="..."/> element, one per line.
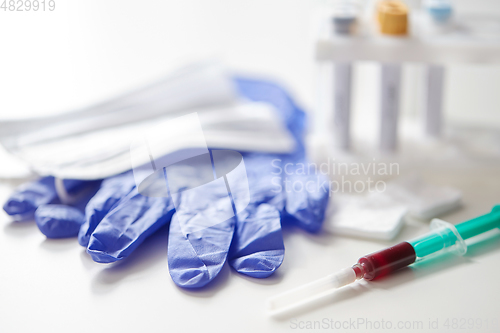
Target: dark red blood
<point x="382" y="263"/>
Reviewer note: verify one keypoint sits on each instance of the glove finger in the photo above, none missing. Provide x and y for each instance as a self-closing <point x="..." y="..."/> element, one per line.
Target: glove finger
<point x="127" y="226"/>
<point x="257" y="249"/>
<point x="62" y="221"/>
<point x="200" y="234"/>
<point x="26" y="199"/>
<point x="23" y="203"/>
<point x="59" y="221"/>
<point x="306" y="201"/>
<point x="110" y="193"/>
<point x="195" y="259"/>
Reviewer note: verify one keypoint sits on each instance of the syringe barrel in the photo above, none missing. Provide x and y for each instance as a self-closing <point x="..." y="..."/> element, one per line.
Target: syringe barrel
<point x="444" y="237"/>
<point x="386" y="261"/>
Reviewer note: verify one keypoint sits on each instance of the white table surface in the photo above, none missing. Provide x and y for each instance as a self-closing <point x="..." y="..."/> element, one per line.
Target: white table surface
<point x="88" y="50"/>
<point x="54" y="286"/>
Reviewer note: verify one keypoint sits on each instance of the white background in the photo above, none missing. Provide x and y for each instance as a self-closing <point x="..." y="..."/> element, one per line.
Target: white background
<point x="88" y="50"/>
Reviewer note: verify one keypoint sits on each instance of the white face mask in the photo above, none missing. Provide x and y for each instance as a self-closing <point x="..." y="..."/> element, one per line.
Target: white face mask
<point x="94" y="143"/>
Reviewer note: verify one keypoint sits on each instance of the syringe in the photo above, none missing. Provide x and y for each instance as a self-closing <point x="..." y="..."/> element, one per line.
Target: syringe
<point x="444" y="237"/>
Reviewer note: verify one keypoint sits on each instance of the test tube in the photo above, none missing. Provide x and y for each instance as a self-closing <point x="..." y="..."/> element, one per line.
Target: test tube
<point x="390" y="86"/>
<point x="438" y="22"/>
<point x="342" y="105"/>
<point x="433" y="100"/>
<point x="344" y="22"/>
<point x="392" y="16"/>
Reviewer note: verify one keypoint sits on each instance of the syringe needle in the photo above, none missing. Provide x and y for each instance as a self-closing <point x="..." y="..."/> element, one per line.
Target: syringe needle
<point x="308" y="293"/>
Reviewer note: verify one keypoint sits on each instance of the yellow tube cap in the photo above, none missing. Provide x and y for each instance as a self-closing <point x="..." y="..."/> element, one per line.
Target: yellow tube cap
<point x="392" y="17"/>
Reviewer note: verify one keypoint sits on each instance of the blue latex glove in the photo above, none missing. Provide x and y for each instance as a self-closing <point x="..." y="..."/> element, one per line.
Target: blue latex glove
<point x="118" y="219"/>
<point x="23" y="203"/>
<point x="252" y="241"/>
<point x="40" y="200"/>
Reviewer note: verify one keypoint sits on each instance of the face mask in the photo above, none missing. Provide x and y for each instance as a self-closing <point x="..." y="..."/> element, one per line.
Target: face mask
<point x="94" y="143"/>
